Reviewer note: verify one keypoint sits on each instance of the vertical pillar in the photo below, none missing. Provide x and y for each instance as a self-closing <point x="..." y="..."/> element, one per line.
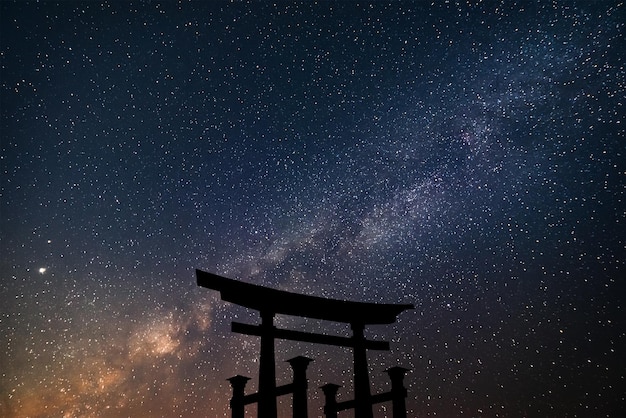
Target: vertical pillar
<point x="300" y="385"/>
<point x="330" y="406"/>
<point x="267" y="368"/>
<point x="362" y="394"/>
<point x="237" y="405"/>
<point x="398" y="391"/>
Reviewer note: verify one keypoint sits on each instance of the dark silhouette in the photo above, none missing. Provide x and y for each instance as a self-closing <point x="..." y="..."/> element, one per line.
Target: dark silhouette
<point x="298" y="389"/>
<point x="270" y="302"/>
<point x="397" y="395"/>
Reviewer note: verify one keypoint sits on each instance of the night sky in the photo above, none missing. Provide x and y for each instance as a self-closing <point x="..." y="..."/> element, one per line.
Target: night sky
<point x="466" y="157"/>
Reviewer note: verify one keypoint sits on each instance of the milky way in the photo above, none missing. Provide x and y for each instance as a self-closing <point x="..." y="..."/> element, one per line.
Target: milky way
<point x="465" y="157"/>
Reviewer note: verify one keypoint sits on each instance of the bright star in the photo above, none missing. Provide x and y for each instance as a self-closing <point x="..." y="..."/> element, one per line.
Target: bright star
<point x="42" y="270"/>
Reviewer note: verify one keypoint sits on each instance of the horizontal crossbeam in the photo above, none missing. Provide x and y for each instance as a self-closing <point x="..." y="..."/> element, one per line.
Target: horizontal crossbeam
<point x="308" y="337"/>
<point x="374" y="399"/>
<point x="280" y="391"/>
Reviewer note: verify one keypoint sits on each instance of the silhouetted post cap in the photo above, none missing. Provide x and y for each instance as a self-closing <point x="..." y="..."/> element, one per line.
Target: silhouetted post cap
<point x="330" y="389"/>
<point x="238" y="381"/>
<point x="397" y="372"/>
<point x="299" y="361"/>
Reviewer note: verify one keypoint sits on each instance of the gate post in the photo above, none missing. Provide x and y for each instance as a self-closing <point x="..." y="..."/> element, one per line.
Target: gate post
<point x="398" y="391"/>
<point x="267" y="368"/>
<point x="300" y="385"/>
<point x="330" y="393"/>
<point x="362" y="394"/>
<point x="237" y="405"/>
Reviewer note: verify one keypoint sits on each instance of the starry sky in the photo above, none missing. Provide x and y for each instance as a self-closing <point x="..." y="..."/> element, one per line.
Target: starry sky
<point x="467" y="157"/>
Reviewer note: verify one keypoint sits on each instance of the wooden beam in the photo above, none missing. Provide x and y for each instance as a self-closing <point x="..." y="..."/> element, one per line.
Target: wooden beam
<point x="308" y="337"/>
<point x="276" y="301"/>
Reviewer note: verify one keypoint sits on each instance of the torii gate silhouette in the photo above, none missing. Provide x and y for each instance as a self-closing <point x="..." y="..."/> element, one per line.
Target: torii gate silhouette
<point x="270" y="302"/>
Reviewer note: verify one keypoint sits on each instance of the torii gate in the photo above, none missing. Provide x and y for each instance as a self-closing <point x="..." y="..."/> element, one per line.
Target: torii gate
<point x="270" y="302"/>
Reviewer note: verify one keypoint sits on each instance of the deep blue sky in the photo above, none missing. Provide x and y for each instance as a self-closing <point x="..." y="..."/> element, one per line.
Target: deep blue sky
<point x="466" y="157"/>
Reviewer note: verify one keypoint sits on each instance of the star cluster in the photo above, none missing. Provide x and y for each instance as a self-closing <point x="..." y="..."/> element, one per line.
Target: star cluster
<point x="463" y="156"/>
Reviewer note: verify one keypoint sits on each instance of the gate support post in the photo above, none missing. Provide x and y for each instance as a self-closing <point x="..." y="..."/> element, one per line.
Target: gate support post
<point x="330" y="393"/>
<point x="267" y="368"/>
<point x="362" y="394"/>
<point x="300" y="385"/>
<point x="398" y="391"/>
<point x="237" y="405"/>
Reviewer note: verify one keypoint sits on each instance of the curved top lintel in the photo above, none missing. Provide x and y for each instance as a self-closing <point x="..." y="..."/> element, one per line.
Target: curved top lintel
<point x="266" y="299"/>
